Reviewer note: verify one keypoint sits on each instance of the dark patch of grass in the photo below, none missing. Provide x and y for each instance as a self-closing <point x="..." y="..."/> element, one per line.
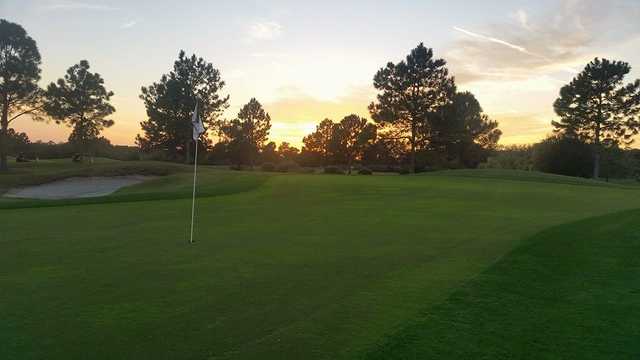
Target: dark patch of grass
<point x="530" y="176"/>
<point x="570" y="292"/>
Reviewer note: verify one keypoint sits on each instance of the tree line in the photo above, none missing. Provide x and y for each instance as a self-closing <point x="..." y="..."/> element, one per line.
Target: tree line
<point x="418" y="113"/>
<point x="418" y="116"/>
<point x="418" y="119"/>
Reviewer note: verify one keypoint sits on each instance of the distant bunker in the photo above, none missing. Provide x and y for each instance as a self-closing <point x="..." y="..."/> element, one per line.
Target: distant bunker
<point x="77" y="187"/>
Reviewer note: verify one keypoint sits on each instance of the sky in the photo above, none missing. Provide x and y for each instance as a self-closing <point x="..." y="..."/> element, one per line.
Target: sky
<point x="306" y="61"/>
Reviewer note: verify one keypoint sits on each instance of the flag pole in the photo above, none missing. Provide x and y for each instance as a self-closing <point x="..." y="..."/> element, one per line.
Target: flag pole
<point x="193" y="197"/>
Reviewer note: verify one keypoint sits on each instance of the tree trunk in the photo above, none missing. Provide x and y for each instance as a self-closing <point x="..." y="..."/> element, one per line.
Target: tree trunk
<point x="596" y="154"/>
<point x="413" y="149"/>
<point x="187" y="153"/>
<point x="4" y="131"/>
<point x="596" y="163"/>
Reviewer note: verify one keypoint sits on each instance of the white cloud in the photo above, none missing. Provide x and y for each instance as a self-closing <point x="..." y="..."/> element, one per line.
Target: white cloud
<point x="522" y="18"/>
<point x="265" y="30"/>
<point x="129" y="24"/>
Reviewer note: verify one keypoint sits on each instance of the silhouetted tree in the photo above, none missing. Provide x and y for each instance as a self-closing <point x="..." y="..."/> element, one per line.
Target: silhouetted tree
<point x="350" y="138"/>
<point x="80" y="101"/>
<point x="269" y="153"/>
<point x="563" y="155"/>
<point x="288" y="153"/>
<point x="411" y="92"/>
<point x="247" y="133"/>
<point x="17" y="142"/>
<point x="463" y="132"/>
<point x="597" y="106"/>
<point x="383" y="152"/>
<point x="19" y="76"/>
<point x="316" y="144"/>
<point x="170" y="103"/>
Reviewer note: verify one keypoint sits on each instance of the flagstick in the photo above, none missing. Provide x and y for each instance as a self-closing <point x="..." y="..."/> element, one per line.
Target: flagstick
<point x="193" y="198"/>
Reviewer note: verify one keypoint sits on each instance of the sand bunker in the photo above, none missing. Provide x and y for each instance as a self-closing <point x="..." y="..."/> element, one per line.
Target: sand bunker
<point x="77" y="187"/>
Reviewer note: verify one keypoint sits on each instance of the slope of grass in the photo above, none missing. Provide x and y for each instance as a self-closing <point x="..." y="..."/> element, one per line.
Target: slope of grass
<point x="43" y="171"/>
<point x="211" y="182"/>
<point x="293" y="266"/>
<point x="532" y="176"/>
<point x="570" y="292"/>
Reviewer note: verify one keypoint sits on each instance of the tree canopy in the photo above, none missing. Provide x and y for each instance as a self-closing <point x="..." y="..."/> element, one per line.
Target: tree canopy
<point x="464" y="133"/>
<point x="316" y="145"/>
<point x="411" y="93"/>
<point x="19" y="75"/>
<point x="81" y="101"/>
<point x="248" y="133"/>
<point x="170" y="103"/>
<point x="350" y="138"/>
<point x="598" y="106"/>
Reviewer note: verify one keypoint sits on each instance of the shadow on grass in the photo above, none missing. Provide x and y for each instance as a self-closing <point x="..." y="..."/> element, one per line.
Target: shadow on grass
<point x="569" y="292"/>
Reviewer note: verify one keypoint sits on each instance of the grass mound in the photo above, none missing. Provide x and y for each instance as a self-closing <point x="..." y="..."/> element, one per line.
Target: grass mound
<point x="284" y="266"/>
<point x="521" y="175"/>
<point x="570" y="292"/>
<point x="35" y="173"/>
<point x="175" y="183"/>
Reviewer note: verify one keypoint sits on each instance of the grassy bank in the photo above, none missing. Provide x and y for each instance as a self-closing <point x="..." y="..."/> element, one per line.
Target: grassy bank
<point x="285" y="266"/>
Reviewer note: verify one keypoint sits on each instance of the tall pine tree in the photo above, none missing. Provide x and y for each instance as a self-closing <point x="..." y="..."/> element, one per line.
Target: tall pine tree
<point x="81" y="101"/>
<point x="597" y="106"/>
<point x="19" y="75"/>
<point x="170" y="103"/>
<point x="410" y="93"/>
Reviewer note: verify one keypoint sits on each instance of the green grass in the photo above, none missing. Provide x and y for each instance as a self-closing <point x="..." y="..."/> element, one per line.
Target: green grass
<point x="285" y="266"/>
<point x="570" y="292"/>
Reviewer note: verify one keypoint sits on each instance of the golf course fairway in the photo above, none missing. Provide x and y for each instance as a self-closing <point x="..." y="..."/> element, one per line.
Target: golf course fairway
<point x="294" y="266"/>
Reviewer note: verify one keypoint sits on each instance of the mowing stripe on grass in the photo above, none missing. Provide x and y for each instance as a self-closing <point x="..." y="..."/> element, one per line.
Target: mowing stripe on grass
<point x="570" y="292"/>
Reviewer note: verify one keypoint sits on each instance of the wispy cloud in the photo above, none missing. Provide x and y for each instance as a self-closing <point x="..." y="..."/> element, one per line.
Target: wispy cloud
<point x="73" y="5"/>
<point x="519" y="48"/>
<point x="556" y="42"/>
<point x="492" y="39"/>
<point x="264" y="30"/>
<point x="129" y="24"/>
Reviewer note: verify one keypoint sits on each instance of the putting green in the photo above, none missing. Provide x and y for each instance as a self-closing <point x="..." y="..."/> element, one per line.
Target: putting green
<point x="285" y="266"/>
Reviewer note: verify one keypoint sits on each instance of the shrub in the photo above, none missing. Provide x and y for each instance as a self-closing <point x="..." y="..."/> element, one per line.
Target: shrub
<point x="283" y="168"/>
<point x="563" y="156"/>
<point x="305" y="170"/>
<point x="287" y="166"/>
<point x="383" y="168"/>
<point x="333" y="170"/>
<point x="365" y="171"/>
<point x="270" y="167"/>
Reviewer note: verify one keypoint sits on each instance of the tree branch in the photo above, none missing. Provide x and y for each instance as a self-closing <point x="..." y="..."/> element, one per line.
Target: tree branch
<point x="24" y="113"/>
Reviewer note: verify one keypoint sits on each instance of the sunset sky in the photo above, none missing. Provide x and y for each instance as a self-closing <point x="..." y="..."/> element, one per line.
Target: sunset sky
<point x="306" y="61"/>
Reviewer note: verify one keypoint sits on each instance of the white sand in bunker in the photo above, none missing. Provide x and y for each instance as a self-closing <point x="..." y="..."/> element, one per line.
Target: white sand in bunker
<point x="77" y="187"/>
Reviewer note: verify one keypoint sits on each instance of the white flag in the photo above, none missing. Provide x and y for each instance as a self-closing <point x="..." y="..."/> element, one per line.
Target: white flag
<point x="198" y="128"/>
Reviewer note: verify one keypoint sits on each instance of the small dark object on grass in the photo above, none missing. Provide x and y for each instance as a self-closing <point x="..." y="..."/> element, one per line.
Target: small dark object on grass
<point x="238" y="167"/>
<point x="268" y="167"/>
<point x="365" y="171"/>
<point x="404" y="171"/>
<point x="333" y="170"/>
<point x="283" y="168"/>
<point x="76" y="158"/>
<point x="21" y="158"/>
